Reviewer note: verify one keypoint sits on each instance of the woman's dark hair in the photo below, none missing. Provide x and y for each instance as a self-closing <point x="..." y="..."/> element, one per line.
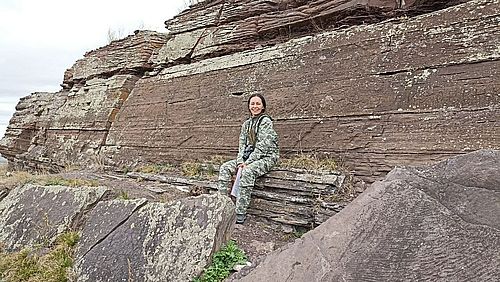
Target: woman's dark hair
<point x="261" y="98"/>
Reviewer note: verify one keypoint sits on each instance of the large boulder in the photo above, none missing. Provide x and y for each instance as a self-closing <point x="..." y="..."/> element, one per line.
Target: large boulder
<point x="435" y="223"/>
<point x="135" y="240"/>
<point x="31" y="214"/>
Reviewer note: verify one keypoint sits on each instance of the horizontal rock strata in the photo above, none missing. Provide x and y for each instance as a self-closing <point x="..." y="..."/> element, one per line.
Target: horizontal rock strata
<point x="289" y="196"/>
<point x="407" y="91"/>
<point x="214" y="28"/>
<point x="55" y="130"/>
<point x="437" y="223"/>
<point x="404" y="91"/>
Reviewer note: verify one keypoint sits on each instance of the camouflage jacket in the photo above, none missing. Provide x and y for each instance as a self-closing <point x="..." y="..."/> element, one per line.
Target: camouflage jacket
<point x="266" y="145"/>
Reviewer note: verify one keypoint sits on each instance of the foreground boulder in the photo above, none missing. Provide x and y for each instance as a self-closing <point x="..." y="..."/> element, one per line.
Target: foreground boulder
<point x="436" y="223"/>
<point x="35" y="215"/>
<point x="139" y="241"/>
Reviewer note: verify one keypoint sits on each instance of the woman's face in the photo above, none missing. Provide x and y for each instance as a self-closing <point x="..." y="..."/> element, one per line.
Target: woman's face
<point x="255" y="106"/>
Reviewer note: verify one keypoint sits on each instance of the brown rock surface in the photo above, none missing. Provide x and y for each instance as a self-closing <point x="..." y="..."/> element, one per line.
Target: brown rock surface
<point x="404" y="91"/>
<point x="436" y="223"/>
<point x="407" y="91"/>
<point x="212" y="28"/>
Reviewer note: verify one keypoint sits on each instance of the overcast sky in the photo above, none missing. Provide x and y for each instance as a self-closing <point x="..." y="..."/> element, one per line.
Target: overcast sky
<point x="39" y="40"/>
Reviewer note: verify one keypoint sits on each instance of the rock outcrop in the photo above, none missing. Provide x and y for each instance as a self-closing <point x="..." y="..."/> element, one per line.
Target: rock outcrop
<point x="215" y="28"/>
<point x="289" y="196"/>
<point x="409" y="90"/>
<point x="35" y="215"/>
<point x="436" y="223"/>
<point x="120" y="239"/>
<point x="136" y="241"/>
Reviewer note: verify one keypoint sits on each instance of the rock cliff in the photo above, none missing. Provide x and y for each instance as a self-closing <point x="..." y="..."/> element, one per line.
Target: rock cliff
<point x="407" y="90"/>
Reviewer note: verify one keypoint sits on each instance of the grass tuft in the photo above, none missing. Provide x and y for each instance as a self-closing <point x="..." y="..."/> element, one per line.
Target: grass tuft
<point x="310" y="162"/>
<point x="198" y="170"/>
<point x="71" y="182"/>
<point x="26" y="265"/>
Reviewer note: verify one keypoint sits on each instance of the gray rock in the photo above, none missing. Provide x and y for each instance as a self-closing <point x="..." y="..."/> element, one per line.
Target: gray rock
<point x="32" y="214"/>
<point x="153" y="241"/>
<point x="437" y="223"/>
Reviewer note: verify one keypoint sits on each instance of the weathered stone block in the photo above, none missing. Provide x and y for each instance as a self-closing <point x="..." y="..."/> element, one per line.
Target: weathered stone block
<point x="153" y="241"/>
<point x="436" y="223"/>
<point x="31" y="215"/>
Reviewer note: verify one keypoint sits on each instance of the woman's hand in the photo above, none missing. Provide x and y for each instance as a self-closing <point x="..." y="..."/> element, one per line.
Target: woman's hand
<point x="242" y="165"/>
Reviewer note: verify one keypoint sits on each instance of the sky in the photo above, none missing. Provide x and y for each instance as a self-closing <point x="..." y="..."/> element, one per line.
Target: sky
<point x="39" y="40"/>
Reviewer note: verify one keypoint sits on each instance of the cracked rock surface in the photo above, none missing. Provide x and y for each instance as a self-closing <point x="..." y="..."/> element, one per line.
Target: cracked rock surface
<point x="32" y="214"/>
<point x="436" y="223"/>
<point x="142" y="241"/>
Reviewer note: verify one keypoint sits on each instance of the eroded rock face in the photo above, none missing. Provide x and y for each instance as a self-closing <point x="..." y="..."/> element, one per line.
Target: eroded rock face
<point x="125" y="56"/>
<point x="54" y="130"/>
<point x="411" y="90"/>
<point x="407" y="91"/>
<point x="31" y="214"/>
<point x="214" y="28"/>
<point x="153" y="241"/>
<point x="436" y="223"/>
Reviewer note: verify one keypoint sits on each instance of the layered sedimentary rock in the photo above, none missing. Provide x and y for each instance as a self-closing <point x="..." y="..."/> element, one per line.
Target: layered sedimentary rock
<point x="53" y="130"/>
<point x="405" y="91"/>
<point x="213" y="28"/>
<point x="289" y="196"/>
<point x="436" y="223"/>
<point x="411" y="90"/>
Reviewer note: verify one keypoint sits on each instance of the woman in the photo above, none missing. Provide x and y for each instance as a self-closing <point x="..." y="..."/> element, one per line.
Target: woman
<point x="258" y="153"/>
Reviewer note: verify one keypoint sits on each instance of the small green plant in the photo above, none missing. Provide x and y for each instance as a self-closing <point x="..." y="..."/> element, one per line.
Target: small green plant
<point x="298" y="232"/>
<point x="124" y="195"/>
<point x="223" y="262"/>
<point x="26" y="265"/>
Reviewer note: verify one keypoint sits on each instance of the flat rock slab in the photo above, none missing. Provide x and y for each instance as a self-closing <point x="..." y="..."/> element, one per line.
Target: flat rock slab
<point x="139" y="241"/>
<point x="437" y="223"/>
<point x="33" y="214"/>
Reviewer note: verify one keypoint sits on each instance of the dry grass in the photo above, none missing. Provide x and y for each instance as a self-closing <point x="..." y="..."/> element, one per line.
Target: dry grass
<point x="26" y="265"/>
<point x="12" y="179"/>
<point x="198" y="170"/>
<point x="156" y="168"/>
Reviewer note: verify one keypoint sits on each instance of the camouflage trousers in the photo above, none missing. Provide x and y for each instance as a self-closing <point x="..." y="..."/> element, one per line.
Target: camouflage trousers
<point x="247" y="181"/>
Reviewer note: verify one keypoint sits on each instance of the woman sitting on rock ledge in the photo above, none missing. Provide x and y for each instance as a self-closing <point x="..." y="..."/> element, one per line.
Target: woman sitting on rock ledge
<point x="258" y="153"/>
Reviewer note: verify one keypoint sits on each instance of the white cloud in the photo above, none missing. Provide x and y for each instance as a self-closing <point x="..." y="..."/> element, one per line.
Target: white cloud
<point x="39" y="40"/>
